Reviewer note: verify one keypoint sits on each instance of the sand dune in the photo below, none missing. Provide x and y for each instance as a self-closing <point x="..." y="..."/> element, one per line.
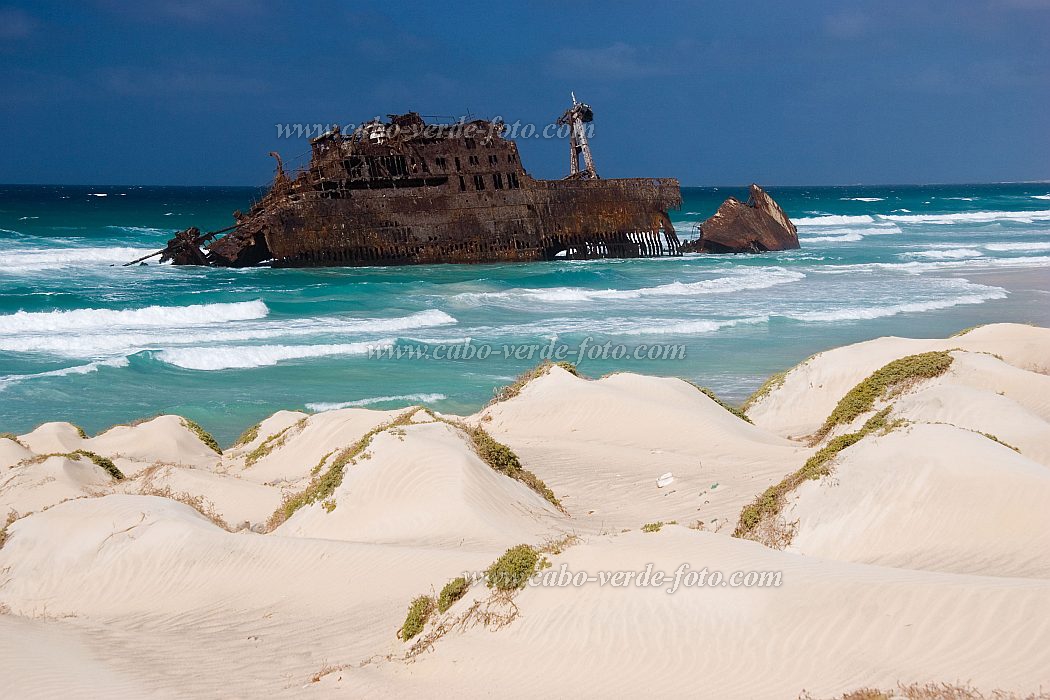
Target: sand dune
<point x="808" y="392"/>
<point x="424" y="485"/>
<point x="601" y="445"/>
<point x="285" y="566"/>
<point x="930" y="497"/>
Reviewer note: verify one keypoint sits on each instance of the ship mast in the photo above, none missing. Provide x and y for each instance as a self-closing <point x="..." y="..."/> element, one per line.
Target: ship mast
<point x="575" y="117"/>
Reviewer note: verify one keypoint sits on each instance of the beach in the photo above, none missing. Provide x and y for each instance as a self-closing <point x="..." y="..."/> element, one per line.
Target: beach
<point x="874" y="517"/>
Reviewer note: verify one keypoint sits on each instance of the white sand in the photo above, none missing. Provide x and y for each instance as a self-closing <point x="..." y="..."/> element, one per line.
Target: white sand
<point x="921" y="558"/>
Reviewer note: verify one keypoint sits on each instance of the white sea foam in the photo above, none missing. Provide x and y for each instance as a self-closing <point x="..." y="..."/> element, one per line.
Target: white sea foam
<point x="144" y="229"/>
<point x="1041" y="196"/>
<point x="403" y="398"/>
<point x="1025" y="217"/>
<point x="862" y="199"/>
<point x="754" y="278"/>
<point x="840" y="238"/>
<point x="697" y="327"/>
<point x="98" y="194"/>
<point x="34" y="259"/>
<point x="833" y="220"/>
<point x="1010" y="247"/>
<point x="108" y="340"/>
<point x="209" y="358"/>
<point x="148" y="317"/>
<point x="858" y="313"/>
<point x="64" y="372"/>
<point x="944" y="254"/>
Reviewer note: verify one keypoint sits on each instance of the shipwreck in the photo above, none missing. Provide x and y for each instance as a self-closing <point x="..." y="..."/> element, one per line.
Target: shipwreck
<point x="758" y="225"/>
<point x="406" y="192"/>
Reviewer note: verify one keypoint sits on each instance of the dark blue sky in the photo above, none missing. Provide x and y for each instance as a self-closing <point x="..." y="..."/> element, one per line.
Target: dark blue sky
<point x="190" y="91"/>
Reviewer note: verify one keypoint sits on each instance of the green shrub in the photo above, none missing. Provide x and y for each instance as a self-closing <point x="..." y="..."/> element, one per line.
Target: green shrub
<point x="729" y="407"/>
<point x="249" y="435"/>
<point x="324" y="485"/>
<point x="80" y="431"/>
<point x="771" y="502"/>
<point x="964" y="331"/>
<point x="202" y="435"/>
<point x="418" y="613"/>
<point x="453" y="591"/>
<point x="13" y="438"/>
<point x="652" y="527"/>
<point x="995" y="438"/>
<point x="11" y="517"/>
<point x="273" y="442"/>
<point x="502" y="459"/>
<point x="861" y="398"/>
<point x="513" y="389"/>
<point x="513" y="569"/>
<point x="774" y="382"/>
<point x="104" y="462"/>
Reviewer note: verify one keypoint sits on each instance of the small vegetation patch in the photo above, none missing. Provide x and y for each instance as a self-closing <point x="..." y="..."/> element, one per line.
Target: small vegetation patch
<point x="11" y="517"/>
<point x="767" y="507"/>
<point x="202" y="434"/>
<point x="739" y="413"/>
<point x="322" y="486"/>
<point x="80" y="431"/>
<point x="892" y="378"/>
<point x="653" y="527"/>
<point x="502" y="459"/>
<point x="273" y="442"/>
<point x="994" y="438"/>
<point x="320" y="465"/>
<point x="513" y="389"/>
<point x="13" y="438"/>
<point x="558" y="545"/>
<point x="964" y="331"/>
<point x="248" y="436"/>
<point x="931" y="691"/>
<point x="453" y="591"/>
<point x="418" y="613"/>
<point x="513" y="569"/>
<point x="105" y="462"/>
<point x="774" y="382"/>
<point x="197" y="502"/>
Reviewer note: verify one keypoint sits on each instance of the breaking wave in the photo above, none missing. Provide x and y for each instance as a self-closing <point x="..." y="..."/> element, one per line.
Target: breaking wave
<point x="698" y="327"/>
<point x="148" y="317"/>
<point x="862" y="199"/>
<point x="859" y="313"/>
<point x="1025" y="217"/>
<point x="946" y="254"/>
<point x="210" y="358"/>
<point x="752" y="279"/>
<point x="415" y="398"/>
<point x="107" y="340"/>
<point x="32" y="259"/>
<point x="65" y="371"/>
<point x="1010" y="247"/>
<point x="842" y="238"/>
<point x="833" y="220"/>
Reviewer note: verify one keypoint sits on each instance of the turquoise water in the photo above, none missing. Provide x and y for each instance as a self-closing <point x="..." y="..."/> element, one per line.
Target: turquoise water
<point x="85" y="341"/>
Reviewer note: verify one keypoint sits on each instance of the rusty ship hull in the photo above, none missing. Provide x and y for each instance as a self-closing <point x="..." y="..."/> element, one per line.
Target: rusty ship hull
<point x="398" y="194"/>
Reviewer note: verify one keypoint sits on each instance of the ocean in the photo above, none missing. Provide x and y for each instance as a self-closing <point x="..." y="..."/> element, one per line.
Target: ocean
<point x="85" y="340"/>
